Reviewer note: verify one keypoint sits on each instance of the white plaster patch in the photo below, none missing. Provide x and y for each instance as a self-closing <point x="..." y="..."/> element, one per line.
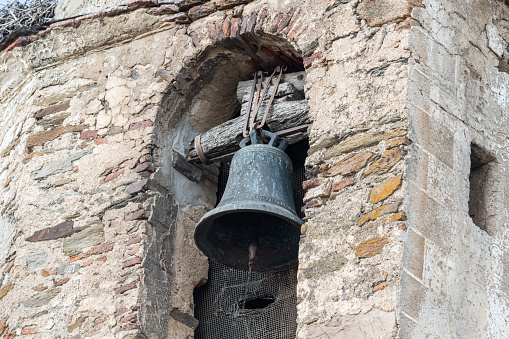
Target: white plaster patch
<point x="495" y="41"/>
<point x="6" y="235"/>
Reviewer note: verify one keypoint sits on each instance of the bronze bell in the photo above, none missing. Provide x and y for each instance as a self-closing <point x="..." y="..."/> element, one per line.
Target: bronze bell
<point x="256" y="217"/>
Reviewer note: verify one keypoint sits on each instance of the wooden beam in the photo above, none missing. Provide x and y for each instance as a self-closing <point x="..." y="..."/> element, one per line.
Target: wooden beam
<point x="289" y="110"/>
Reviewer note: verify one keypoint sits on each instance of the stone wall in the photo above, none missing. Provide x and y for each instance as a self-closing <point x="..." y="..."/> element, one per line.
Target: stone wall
<point x="453" y="276"/>
<point x="69" y="8"/>
<point x="92" y="231"/>
<point x="350" y="257"/>
<point x="96" y="226"/>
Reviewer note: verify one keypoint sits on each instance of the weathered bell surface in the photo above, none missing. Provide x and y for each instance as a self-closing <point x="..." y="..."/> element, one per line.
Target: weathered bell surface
<point x="256" y="213"/>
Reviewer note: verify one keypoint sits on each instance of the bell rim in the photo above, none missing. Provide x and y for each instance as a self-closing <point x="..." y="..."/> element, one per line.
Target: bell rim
<point x="287" y="215"/>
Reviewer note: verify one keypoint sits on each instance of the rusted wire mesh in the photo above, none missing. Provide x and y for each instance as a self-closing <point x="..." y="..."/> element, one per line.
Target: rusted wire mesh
<point x="24" y="17"/>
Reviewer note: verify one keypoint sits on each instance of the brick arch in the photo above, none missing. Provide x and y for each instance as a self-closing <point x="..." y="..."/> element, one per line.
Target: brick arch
<point x="226" y="51"/>
<point x="274" y="33"/>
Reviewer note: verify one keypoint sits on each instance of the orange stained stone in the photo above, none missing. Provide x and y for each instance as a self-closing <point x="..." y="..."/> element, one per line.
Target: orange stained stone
<point x="385" y="189"/>
<point x="370" y="248"/>
<point x="32" y="330"/>
<point x="399" y="216"/>
<point x="380" y="286"/>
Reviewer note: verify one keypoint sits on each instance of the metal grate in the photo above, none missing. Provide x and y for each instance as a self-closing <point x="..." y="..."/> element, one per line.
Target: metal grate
<point x="270" y="311"/>
<point x="298" y="153"/>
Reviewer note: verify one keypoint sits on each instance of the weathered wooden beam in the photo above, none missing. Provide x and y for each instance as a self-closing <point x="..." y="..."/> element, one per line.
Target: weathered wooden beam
<point x="297" y="79"/>
<point x="288" y="110"/>
<point x="180" y="163"/>
<point x="282" y="115"/>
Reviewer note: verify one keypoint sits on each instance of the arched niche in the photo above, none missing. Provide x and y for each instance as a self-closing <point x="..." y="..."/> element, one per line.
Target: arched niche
<point x="202" y="95"/>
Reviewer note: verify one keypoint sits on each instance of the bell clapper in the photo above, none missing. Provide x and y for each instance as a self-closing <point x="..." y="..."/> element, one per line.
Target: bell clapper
<point x="253" y="247"/>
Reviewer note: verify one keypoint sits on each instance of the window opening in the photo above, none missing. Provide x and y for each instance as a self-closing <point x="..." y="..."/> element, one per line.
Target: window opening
<point x="270" y="311"/>
<point x="480" y="186"/>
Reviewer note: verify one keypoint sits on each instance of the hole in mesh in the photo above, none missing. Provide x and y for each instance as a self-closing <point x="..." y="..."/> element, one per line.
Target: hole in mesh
<point x="257" y="303"/>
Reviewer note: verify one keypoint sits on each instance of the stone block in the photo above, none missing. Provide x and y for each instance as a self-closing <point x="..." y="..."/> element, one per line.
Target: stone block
<point x="308" y="61"/>
<point x="40" y="138"/>
<point x="388" y="159"/>
<point x="62" y="182"/>
<point x="101" y="141"/>
<point x="59" y="166"/>
<point x="179" y="18"/>
<point x="434" y="137"/>
<point x="184" y="318"/>
<point x="61" y="230"/>
<point x="78" y="257"/>
<point x="370" y="248"/>
<point x="10" y="147"/>
<point x="407" y="327"/>
<point x="46" y="273"/>
<point x="100" y="249"/>
<point x="385" y="189"/>
<point x="52" y="109"/>
<point x="413" y="295"/>
<point x="372" y="324"/>
<point x="2" y="324"/>
<point x="76" y="324"/>
<point x="140" y="125"/>
<point x="112" y="176"/>
<point x="135" y="240"/>
<point x="88" y="135"/>
<point x="432" y="219"/>
<point x="201" y="11"/>
<point x="413" y="255"/>
<point x="30" y="330"/>
<point x="380" y="286"/>
<point x="132" y="262"/>
<point x="227" y="4"/>
<point x="61" y="281"/>
<point x="379" y="12"/>
<point x="35" y="259"/>
<point x="91" y="236"/>
<point x="417" y="167"/>
<point x="7" y="182"/>
<point x="68" y="269"/>
<point x="338" y="186"/>
<point x="6" y="289"/>
<point x="145" y="167"/>
<point x="311" y="183"/>
<point x="138" y="215"/>
<point x="326" y="264"/>
<point x="363" y="140"/>
<point x="133" y="250"/>
<point x="351" y="164"/>
<point x="397" y="142"/>
<point x="398" y="217"/>
<point x="127" y="287"/>
<point x="114" y="130"/>
<point x="131" y="318"/>
<point x="314" y="203"/>
<point x="446" y="185"/>
<point x="384" y="209"/>
<point x="42" y="298"/>
<point x="164" y="9"/>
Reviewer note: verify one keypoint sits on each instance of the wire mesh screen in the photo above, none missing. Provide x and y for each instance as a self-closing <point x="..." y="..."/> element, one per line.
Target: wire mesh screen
<point x="228" y="307"/>
<point x="269" y="311"/>
<point x="298" y="153"/>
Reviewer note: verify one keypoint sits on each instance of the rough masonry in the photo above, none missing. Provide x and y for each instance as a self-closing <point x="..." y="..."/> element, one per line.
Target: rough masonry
<point x="96" y="226"/>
